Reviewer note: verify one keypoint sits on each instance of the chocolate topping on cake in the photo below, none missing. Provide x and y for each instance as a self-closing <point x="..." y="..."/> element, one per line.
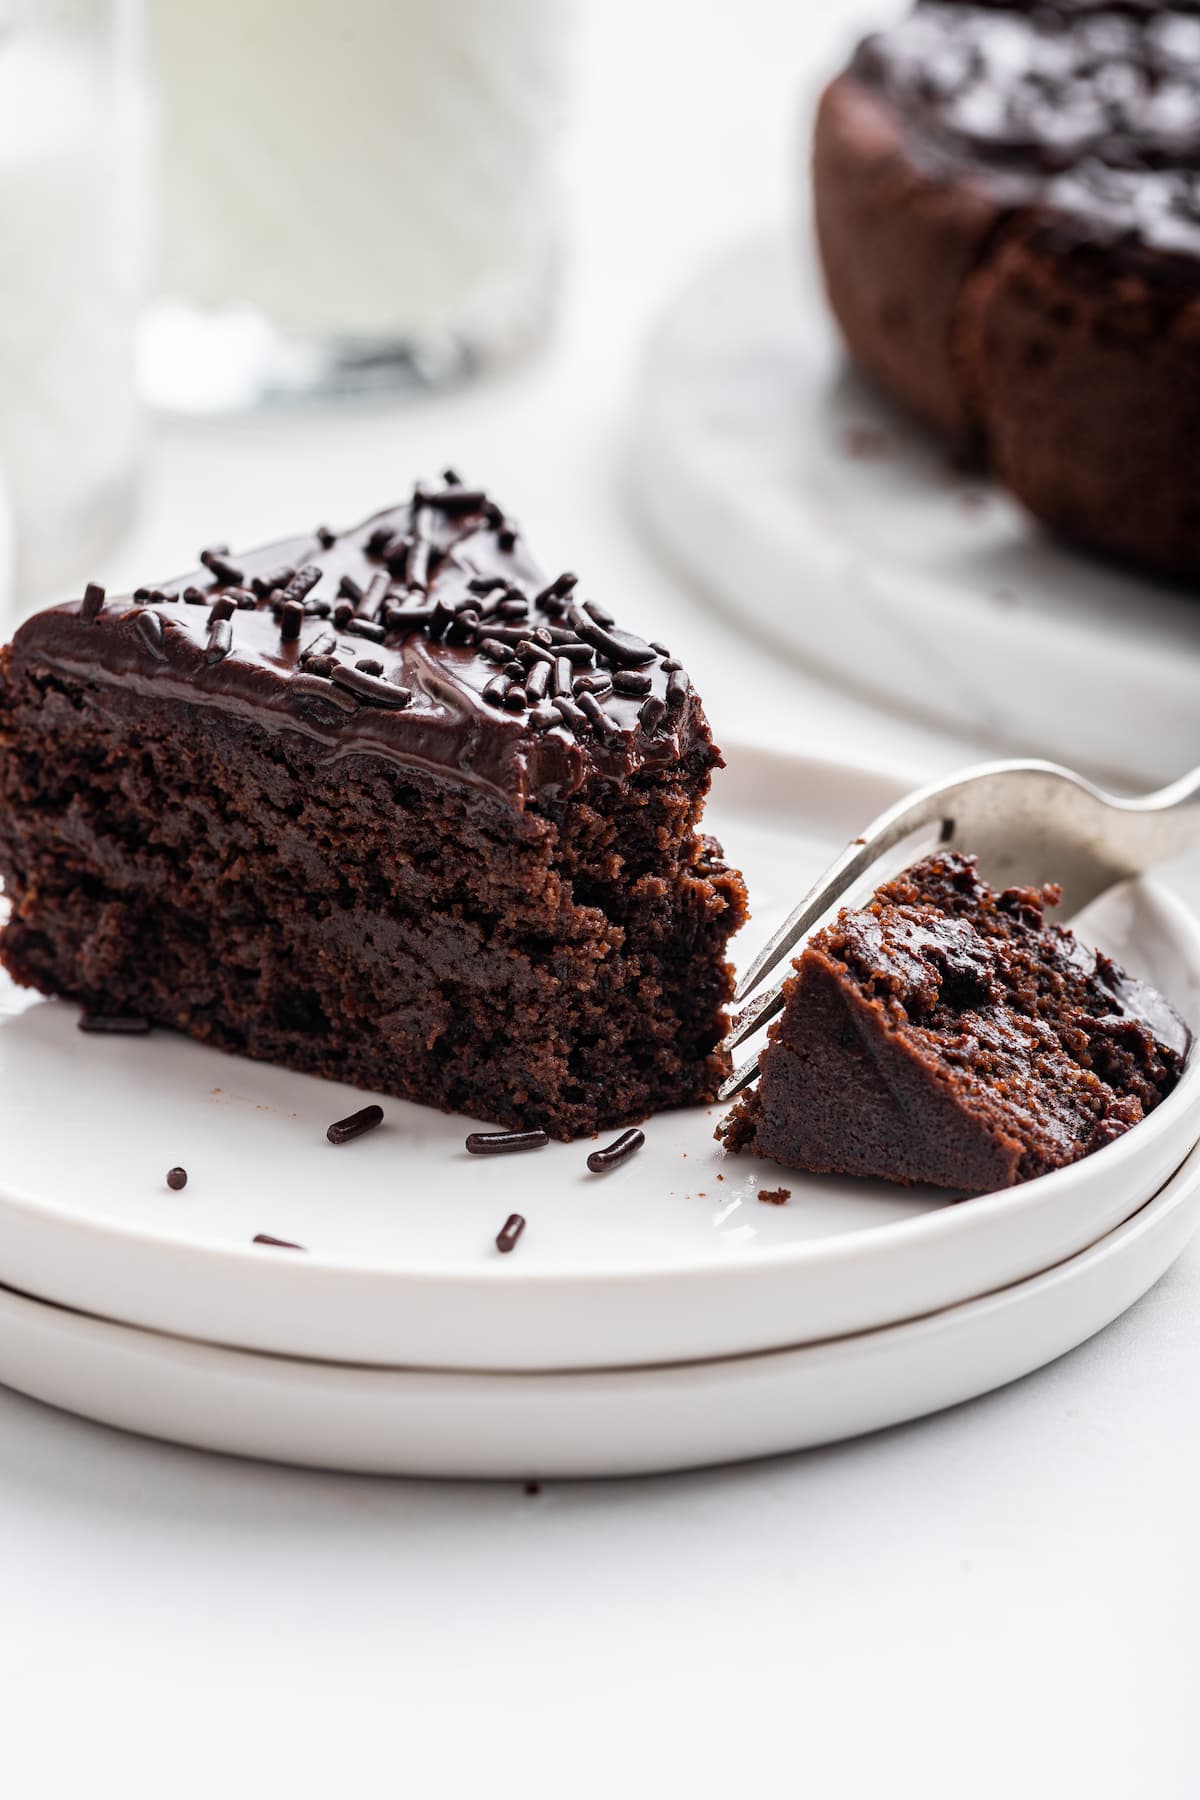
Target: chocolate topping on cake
<point x="445" y="594"/>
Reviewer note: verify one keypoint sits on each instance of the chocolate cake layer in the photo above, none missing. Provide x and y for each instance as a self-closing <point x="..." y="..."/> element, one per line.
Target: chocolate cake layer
<point x="386" y="806"/>
<point x="949" y="1035"/>
<point x="1008" y="211"/>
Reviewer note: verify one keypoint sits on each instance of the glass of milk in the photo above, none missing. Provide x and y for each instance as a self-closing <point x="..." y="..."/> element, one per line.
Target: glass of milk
<point x="355" y="195"/>
<point x="73" y="162"/>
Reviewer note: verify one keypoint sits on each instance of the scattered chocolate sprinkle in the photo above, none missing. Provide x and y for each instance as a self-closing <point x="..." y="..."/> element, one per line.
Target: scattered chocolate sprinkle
<point x="321" y="645"/>
<point x="378" y="540"/>
<point x="291" y="619"/>
<point x="451" y="477"/>
<point x="557" y="590"/>
<point x="597" y="612"/>
<point x="457" y="500"/>
<point x="651" y="714"/>
<point x="93" y="600"/>
<point x="532" y="1489"/>
<point x="677" y="688"/>
<point x="176" y="1179"/>
<point x="417" y="572"/>
<point x="370" y="665"/>
<point x="217" y="562"/>
<point x="630" y="681"/>
<point x="509" y="1232"/>
<point x="499" y="1143"/>
<point x="621" y="647"/>
<point x="224" y="608"/>
<point x="366" y="1119"/>
<point x="537" y="682"/>
<point x="343" y="612"/>
<point x="564" y="675"/>
<point x="242" y="598"/>
<point x="195" y="596"/>
<point x="606" y="729"/>
<point x="661" y="648"/>
<point x="494" y="650"/>
<point x="619" y="1151"/>
<point x="370" y="600"/>
<point x="775" y="1196"/>
<point x="568" y="711"/>
<point x="486" y="584"/>
<point x="151" y="628"/>
<point x="114" y="1024"/>
<point x="325" y="537"/>
<point x="495" y="690"/>
<point x="370" y="687"/>
<point x="531" y="650"/>
<point x="599" y="685"/>
<point x="543" y="717"/>
<point x="669" y="664"/>
<point x="314" y="684"/>
<point x="506" y="537"/>
<point x="262" y="1237"/>
<point x="365" y="628"/>
<point x="270" y="579"/>
<point x="220" y="641"/>
<point x="302" y="583"/>
<point x="349" y="589"/>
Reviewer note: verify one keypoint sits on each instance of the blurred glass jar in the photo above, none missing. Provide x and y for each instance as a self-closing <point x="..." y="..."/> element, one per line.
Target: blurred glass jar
<point x="354" y="196"/>
<point x="73" y="166"/>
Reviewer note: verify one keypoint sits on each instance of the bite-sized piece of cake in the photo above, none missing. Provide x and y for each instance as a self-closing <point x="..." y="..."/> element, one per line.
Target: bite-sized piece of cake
<point x="385" y="806"/>
<point x="1007" y="203"/>
<point x="948" y="1034"/>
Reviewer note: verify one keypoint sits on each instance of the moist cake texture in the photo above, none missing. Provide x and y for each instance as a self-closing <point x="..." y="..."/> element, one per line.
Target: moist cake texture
<point x="1008" y="210"/>
<point x="385" y="806"/>
<point x="950" y="1035"/>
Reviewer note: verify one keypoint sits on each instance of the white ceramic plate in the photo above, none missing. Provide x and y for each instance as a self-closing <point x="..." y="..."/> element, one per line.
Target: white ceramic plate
<point x="801" y="502"/>
<point x="606" y="1422"/>
<point x="670" y="1257"/>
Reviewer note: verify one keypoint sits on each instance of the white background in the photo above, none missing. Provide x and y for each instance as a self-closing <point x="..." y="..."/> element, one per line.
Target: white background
<point x="998" y="1601"/>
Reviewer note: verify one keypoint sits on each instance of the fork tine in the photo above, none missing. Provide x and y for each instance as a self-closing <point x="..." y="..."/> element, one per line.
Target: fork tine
<point x="763" y="1007"/>
<point x="740" y="1079"/>
<point x="907" y="816"/>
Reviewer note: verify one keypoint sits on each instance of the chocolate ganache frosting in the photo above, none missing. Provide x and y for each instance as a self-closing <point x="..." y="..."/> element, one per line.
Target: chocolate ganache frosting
<point x="426" y="635"/>
<point x="1090" y="111"/>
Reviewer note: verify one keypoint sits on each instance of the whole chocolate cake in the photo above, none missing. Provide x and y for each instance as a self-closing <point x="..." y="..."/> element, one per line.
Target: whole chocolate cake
<point x="382" y="805"/>
<point x="948" y="1034"/>
<point x="1008" y="211"/>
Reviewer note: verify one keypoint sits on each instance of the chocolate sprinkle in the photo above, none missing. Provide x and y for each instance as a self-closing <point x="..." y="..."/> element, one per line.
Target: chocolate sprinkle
<point x="619" y="1151"/>
<point x="114" y="1024"/>
<point x="500" y="1143"/>
<point x="217" y="561"/>
<point x="314" y="686"/>
<point x="651" y="714"/>
<point x="291" y="619"/>
<point x="176" y="1179"/>
<point x="677" y="688"/>
<point x="93" y="600"/>
<point x="366" y="1119"/>
<point x="151" y="628"/>
<point x="262" y="1237"/>
<point x="509" y="1232"/>
<point x="224" y="608"/>
<point x="369" y="687"/>
<point x="220" y="641"/>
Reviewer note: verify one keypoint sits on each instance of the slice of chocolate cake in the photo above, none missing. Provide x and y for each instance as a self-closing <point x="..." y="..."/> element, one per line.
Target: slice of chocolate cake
<point x="948" y="1034"/>
<point x="384" y="806"/>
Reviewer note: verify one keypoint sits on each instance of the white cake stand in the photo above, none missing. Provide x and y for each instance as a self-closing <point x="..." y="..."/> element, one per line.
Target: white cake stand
<point x="798" y="500"/>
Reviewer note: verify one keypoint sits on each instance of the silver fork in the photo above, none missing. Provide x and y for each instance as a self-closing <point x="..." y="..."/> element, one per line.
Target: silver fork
<point x="1028" y="822"/>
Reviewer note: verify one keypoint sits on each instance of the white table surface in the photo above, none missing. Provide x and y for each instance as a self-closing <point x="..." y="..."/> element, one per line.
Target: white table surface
<point x="993" y="1602"/>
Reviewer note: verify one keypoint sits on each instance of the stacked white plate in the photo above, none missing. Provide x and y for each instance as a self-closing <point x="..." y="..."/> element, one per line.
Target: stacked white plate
<point x="659" y="1316"/>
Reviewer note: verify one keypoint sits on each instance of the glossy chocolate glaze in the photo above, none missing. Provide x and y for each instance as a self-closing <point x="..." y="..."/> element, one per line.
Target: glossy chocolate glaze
<point x="422" y="702"/>
<point x="1088" y="110"/>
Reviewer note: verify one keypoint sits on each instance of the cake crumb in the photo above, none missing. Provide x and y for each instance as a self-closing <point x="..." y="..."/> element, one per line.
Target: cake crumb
<point x="775" y="1196"/>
